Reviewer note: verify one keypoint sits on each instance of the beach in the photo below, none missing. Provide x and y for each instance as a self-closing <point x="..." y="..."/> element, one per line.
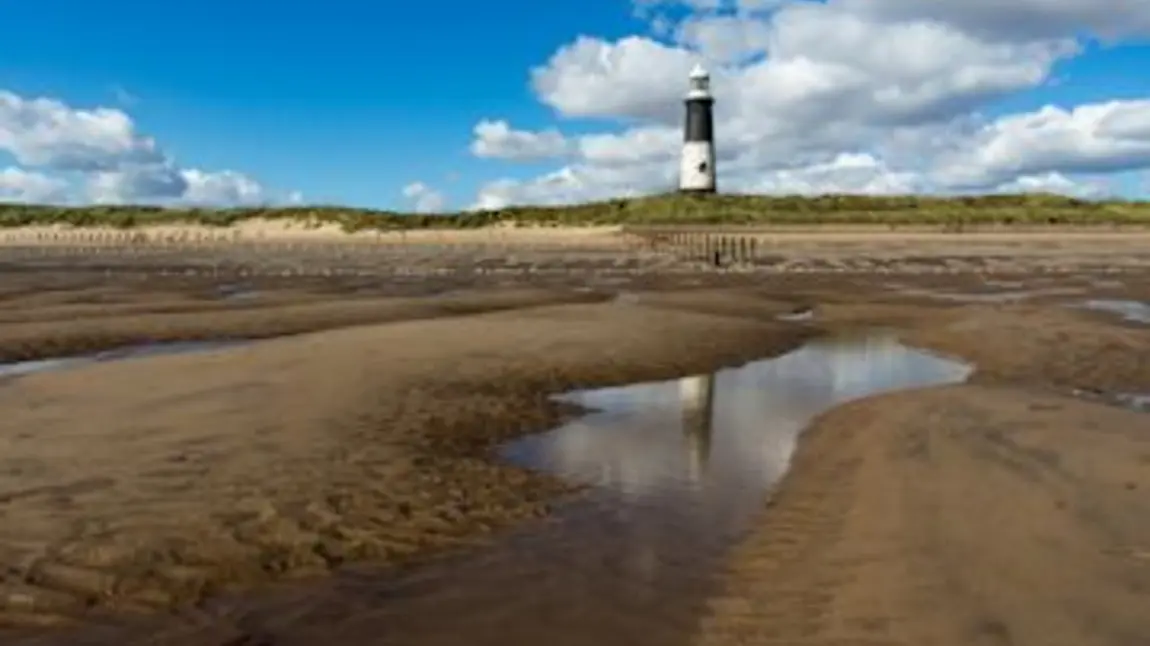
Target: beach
<point x="225" y="493"/>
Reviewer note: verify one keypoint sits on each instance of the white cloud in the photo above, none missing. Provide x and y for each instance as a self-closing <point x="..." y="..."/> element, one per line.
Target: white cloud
<point x="724" y="38"/>
<point x="424" y="198"/>
<point x="497" y="139"/>
<point x="166" y="184"/>
<point x="139" y="182"/>
<point x="871" y="96"/>
<point x="847" y="173"/>
<point x="635" y="77"/>
<point x="1053" y="183"/>
<point x="224" y="187"/>
<point x="18" y="185"/>
<point x="1112" y="136"/>
<point x="576" y="183"/>
<point x="117" y="163"/>
<point x="1019" y="19"/>
<point x="46" y="132"/>
<point x="649" y="144"/>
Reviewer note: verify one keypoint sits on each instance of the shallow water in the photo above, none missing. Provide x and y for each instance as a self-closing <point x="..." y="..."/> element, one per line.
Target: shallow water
<point x="807" y="314"/>
<point x="724" y="431"/>
<point x="1134" y="401"/>
<point x="237" y="292"/>
<point x="21" y="368"/>
<point x="1013" y="296"/>
<point x="678" y="471"/>
<point x="1133" y="311"/>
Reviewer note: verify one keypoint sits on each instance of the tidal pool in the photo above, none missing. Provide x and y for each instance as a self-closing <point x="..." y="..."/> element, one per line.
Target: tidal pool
<point x="1133" y="311"/>
<point x="20" y="368"/>
<point x="678" y="470"/>
<point x="1012" y="296"/>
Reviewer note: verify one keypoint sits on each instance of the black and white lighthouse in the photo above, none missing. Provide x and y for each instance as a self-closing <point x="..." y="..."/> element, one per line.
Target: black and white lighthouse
<point x="697" y="165"/>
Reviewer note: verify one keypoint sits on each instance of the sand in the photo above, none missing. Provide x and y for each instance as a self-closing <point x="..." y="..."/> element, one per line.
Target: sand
<point x="1004" y="511"/>
<point x="152" y="483"/>
<point x="1007" y="510"/>
<point x="292" y="231"/>
<point x="294" y="249"/>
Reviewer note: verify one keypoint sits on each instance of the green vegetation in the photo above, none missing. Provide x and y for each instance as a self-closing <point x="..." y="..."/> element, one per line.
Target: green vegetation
<point x="952" y="212"/>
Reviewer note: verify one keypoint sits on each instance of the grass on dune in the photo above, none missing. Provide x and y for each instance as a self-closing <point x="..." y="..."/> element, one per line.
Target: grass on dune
<point x="673" y="209"/>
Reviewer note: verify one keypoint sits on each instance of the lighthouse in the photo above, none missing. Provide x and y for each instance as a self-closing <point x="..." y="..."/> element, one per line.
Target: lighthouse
<point x="697" y="165"/>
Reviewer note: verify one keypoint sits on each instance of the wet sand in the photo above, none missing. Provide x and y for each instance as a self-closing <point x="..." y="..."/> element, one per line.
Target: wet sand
<point x="161" y="481"/>
<point x="133" y="494"/>
<point x="1005" y="511"/>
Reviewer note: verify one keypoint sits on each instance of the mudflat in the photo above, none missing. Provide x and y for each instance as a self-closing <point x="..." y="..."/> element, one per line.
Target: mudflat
<point x="1012" y="509"/>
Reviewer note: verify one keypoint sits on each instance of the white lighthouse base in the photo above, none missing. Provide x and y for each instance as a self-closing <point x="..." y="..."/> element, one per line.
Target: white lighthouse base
<point x="697" y="167"/>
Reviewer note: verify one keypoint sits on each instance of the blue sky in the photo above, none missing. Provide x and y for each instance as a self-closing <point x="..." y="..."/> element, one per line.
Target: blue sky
<point x="350" y="101"/>
<point x="344" y="100"/>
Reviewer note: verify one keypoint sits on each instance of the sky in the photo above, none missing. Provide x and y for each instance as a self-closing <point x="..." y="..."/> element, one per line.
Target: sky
<point x="454" y="105"/>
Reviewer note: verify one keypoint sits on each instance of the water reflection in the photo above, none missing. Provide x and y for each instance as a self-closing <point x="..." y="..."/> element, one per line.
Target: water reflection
<point x="237" y="292"/>
<point x="734" y="430"/>
<point x="679" y="468"/>
<point x="698" y="399"/>
<point x="1134" y="311"/>
<point x="20" y="368"/>
<point x="1012" y="296"/>
<point x="1138" y="402"/>
<point x="1134" y="401"/>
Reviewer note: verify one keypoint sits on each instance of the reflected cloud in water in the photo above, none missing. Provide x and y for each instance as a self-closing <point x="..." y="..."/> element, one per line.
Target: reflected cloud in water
<point x="21" y="368"/>
<point x="733" y="430"/>
<point x="680" y="468"/>
<point x="1133" y="311"/>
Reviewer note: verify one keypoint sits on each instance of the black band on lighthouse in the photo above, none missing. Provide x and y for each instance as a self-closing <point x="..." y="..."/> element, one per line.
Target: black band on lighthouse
<point x="700" y="121"/>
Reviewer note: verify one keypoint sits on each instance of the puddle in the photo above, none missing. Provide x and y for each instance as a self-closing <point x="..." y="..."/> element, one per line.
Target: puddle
<point x="799" y="315"/>
<point x="741" y="423"/>
<point x="237" y="292"/>
<point x="1138" y="402"/>
<point x="1133" y="311"/>
<point x="1008" y="284"/>
<point x="992" y="297"/>
<point x="1134" y="401"/>
<point x="21" y="368"/>
<point x="625" y="298"/>
<point x="678" y="472"/>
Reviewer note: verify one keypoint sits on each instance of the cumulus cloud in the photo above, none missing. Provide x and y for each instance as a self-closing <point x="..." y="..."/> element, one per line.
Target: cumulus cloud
<point x="117" y="163"/>
<point x="497" y="139"/>
<point x="1053" y="183"/>
<point x="166" y="184"/>
<point x="1019" y="19"/>
<point x="19" y="185"/>
<point x="864" y="96"/>
<point x="424" y="198"/>
<point x="725" y="39"/>
<point x="634" y="77"/>
<point x="1105" y="137"/>
<point x="48" y="133"/>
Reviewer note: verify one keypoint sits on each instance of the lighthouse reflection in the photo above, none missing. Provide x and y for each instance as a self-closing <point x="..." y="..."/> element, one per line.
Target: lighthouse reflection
<point x="679" y="469"/>
<point x="698" y="402"/>
<point x="711" y="437"/>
